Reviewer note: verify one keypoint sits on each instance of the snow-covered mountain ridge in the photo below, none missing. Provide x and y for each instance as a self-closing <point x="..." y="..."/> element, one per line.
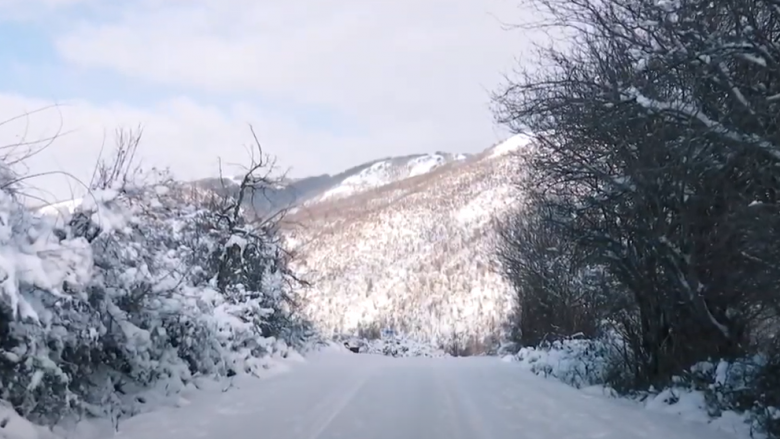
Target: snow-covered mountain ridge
<point x="308" y="190"/>
<point x="407" y="244"/>
<point x="387" y="171"/>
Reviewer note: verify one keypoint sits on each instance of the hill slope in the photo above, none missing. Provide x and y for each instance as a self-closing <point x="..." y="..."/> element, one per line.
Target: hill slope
<point x="414" y="255"/>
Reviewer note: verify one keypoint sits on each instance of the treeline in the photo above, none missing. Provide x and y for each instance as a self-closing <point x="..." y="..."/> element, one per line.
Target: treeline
<point x="652" y="213"/>
<point x="448" y="340"/>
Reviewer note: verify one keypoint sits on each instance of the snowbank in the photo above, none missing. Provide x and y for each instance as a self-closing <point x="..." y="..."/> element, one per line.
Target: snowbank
<point x="13" y="426"/>
<point x="583" y="364"/>
<point x="159" y="407"/>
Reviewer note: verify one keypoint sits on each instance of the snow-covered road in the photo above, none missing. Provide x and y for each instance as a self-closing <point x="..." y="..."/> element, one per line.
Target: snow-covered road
<point x="351" y="396"/>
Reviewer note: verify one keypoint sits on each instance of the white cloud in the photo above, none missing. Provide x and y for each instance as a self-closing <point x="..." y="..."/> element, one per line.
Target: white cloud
<point x="344" y="52"/>
<point x="406" y="75"/>
<point x="188" y="136"/>
<point x="380" y="62"/>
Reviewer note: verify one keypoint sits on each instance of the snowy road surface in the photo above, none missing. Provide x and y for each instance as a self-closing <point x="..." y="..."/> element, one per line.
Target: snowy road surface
<point x="352" y="396"/>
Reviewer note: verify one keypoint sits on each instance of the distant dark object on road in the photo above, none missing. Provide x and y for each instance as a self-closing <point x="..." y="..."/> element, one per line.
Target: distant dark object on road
<point x="354" y="349"/>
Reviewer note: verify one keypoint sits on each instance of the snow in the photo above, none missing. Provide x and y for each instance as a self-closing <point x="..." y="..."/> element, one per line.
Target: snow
<point x="692" y="406"/>
<point x="336" y="394"/>
<point x="62" y="207"/>
<point x="510" y="145"/>
<point x="385" y="172"/>
<point x="480" y="210"/>
<point x="375" y="175"/>
<point x="425" y="164"/>
<point x="581" y="363"/>
<point x="13" y="426"/>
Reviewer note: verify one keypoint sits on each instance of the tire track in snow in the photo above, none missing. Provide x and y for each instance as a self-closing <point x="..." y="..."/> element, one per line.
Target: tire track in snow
<point x="455" y="430"/>
<point x="467" y="421"/>
<point x="333" y="406"/>
<point x="473" y="416"/>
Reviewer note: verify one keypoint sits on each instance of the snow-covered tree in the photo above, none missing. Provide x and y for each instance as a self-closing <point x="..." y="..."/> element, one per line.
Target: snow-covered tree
<point x="148" y="283"/>
<point x="657" y="133"/>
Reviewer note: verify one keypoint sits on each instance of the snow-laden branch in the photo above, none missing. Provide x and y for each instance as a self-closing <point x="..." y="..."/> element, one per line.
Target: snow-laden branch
<point x="691" y="111"/>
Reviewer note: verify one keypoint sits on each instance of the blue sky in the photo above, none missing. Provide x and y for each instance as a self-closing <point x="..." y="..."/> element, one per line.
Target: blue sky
<point x="327" y="86"/>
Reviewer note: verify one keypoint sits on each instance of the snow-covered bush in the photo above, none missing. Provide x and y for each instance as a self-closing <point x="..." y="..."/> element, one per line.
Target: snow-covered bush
<point x="147" y="284"/>
<point x="577" y="362"/>
<point x="723" y="392"/>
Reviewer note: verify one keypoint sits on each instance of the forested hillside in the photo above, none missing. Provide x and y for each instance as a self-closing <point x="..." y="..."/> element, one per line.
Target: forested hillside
<point x="415" y="255"/>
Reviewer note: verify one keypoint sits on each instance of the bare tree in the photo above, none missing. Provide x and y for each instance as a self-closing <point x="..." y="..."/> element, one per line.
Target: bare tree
<point x="558" y="292"/>
<point x="657" y="134"/>
<point x="122" y="166"/>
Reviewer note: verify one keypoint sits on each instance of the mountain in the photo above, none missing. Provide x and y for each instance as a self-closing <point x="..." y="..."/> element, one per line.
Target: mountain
<point x="305" y="191"/>
<point x="406" y="243"/>
<point x="382" y="172"/>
